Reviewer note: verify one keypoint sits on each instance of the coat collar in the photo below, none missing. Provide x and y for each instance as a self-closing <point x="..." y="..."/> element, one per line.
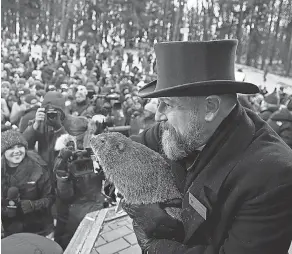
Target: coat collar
<point x="215" y="163"/>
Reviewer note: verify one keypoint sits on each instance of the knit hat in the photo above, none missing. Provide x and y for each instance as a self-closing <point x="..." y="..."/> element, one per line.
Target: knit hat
<point x="27" y="243"/>
<point x="75" y="125"/>
<point x="90" y="86"/>
<point x="31" y="99"/>
<point x="272" y="98"/>
<point x="55" y="99"/>
<point x="21" y="81"/>
<point x="11" y="138"/>
<point x="41" y="93"/>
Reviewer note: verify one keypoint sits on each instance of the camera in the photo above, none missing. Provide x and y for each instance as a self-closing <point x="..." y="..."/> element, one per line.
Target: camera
<point x="51" y="113"/>
<point x="81" y="163"/>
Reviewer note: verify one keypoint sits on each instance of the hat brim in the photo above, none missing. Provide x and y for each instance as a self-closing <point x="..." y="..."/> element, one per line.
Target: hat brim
<point x="202" y="88"/>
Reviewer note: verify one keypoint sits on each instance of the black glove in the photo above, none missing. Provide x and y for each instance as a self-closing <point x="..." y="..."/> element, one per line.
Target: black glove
<point x="144" y="241"/>
<point x="27" y="206"/>
<point x="154" y="221"/>
<point x="65" y="153"/>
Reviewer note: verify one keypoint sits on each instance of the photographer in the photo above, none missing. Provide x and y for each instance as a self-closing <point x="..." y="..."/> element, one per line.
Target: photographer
<point x="49" y="124"/>
<point x="79" y="187"/>
<point x="26" y="191"/>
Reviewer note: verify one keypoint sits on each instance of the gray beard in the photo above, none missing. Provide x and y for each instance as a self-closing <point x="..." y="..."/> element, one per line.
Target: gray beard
<point x="177" y="146"/>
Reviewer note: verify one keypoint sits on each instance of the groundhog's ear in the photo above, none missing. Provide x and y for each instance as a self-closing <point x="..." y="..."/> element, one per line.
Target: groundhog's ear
<point x="120" y="146"/>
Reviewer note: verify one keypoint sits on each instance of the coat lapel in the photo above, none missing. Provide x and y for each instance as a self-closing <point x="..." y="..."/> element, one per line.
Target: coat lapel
<point x="202" y="192"/>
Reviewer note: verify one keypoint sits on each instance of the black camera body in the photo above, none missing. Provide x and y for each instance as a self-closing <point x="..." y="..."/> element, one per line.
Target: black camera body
<point x="81" y="163"/>
<point x="51" y="113"/>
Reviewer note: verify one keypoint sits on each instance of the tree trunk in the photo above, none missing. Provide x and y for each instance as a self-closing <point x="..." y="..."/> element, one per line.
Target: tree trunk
<point x="288" y="62"/>
<point x="239" y="33"/>
<point x="205" y="28"/>
<point x="267" y="44"/>
<point x="165" y="19"/>
<point x="276" y="33"/>
<point x="177" y="21"/>
<point x="64" y="24"/>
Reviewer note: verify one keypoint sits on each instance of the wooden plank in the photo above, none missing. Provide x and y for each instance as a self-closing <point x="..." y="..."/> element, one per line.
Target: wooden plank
<point x="81" y="233"/>
<point x="93" y="234"/>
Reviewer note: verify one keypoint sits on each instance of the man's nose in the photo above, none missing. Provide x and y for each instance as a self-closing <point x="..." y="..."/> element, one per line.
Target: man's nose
<point x="159" y="115"/>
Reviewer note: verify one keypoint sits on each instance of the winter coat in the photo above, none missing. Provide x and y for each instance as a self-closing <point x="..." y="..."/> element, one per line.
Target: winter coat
<point x="75" y="126"/>
<point x="76" y="196"/>
<point x="84" y="108"/>
<point x="281" y="122"/>
<point x="237" y="193"/>
<point x="32" y="180"/>
<point x="266" y="113"/>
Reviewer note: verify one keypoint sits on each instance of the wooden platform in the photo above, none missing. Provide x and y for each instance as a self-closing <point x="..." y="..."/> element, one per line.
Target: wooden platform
<point x="104" y="232"/>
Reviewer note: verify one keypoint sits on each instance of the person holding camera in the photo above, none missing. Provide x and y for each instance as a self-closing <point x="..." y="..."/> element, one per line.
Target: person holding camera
<point x="50" y="123"/>
<point x="79" y="187"/>
<point x="26" y="191"/>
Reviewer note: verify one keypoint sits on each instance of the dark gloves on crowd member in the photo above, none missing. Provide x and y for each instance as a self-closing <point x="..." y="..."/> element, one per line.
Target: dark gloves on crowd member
<point x="153" y="221"/>
<point x="27" y="206"/>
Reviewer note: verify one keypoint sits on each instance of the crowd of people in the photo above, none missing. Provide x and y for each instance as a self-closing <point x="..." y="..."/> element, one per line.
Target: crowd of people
<point x="54" y="97"/>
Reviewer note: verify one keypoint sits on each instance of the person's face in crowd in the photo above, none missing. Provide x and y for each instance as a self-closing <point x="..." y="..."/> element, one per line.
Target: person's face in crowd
<point x="135" y="98"/>
<point x="4" y="74"/>
<point x="80" y="97"/>
<point x="5" y="90"/>
<point x="33" y="90"/>
<point x="129" y="101"/>
<point x="182" y="126"/>
<point x="111" y="82"/>
<point x="21" y="98"/>
<point x="70" y="92"/>
<point x="15" y="155"/>
<point x="126" y="91"/>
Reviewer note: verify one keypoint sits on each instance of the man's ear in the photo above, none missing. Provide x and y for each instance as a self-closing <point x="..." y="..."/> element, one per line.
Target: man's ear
<point x="212" y="107"/>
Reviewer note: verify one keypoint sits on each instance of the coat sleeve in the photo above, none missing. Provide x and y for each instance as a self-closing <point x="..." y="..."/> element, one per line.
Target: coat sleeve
<point x="15" y="114"/>
<point x="46" y="193"/>
<point x="31" y="136"/>
<point x="261" y="226"/>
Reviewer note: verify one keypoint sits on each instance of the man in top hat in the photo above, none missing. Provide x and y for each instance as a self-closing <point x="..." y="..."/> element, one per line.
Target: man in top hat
<point x="233" y="171"/>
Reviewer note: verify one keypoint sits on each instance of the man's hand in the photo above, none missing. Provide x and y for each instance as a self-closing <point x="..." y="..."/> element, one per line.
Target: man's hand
<point x="144" y="241"/>
<point x="40" y="117"/>
<point x="56" y="122"/>
<point x="154" y="221"/>
<point x="26" y="206"/>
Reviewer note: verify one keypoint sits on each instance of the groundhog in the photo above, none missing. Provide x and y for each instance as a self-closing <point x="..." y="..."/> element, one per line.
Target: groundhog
<point x="140" y="174"/>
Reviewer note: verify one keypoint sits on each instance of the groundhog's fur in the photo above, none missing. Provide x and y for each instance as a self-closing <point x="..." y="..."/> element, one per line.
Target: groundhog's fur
<point x="140" y="174"/>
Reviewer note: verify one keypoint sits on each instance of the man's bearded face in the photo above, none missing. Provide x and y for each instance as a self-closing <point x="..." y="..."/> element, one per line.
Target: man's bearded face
<point x="177" y="145"/>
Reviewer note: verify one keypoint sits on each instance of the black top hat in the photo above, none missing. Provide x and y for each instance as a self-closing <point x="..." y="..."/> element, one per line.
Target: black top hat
<point x="196" y="69"/>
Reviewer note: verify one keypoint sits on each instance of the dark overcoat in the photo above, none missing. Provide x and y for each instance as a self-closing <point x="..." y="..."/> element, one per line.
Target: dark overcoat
<point x="237" y="194"/>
